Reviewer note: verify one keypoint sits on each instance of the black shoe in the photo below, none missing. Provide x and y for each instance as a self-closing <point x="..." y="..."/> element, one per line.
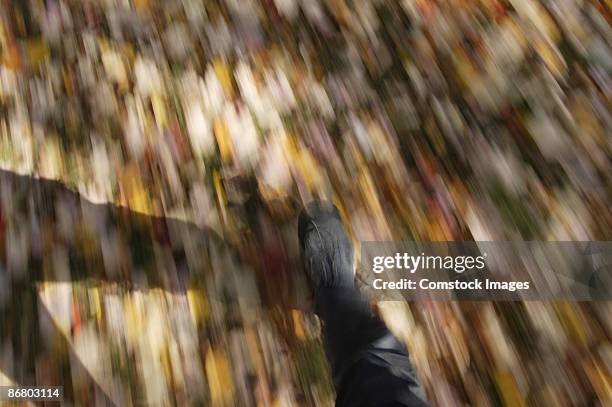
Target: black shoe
<point x="327" y="251"/>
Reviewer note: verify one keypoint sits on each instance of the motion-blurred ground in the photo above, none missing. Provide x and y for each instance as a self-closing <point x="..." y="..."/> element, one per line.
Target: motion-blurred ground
<point x="133" y="269"/>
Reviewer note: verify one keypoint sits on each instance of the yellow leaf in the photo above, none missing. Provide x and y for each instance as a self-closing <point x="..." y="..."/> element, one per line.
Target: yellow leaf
<point x="159" y="110"/>
<point x="219" y="378"/>
<point x="141" y="5"/>
<point x="223" y="140"/>
<point x="298" y="325"/>
<point x="222" y="71"/>
<point x="37" y="51"/>
<point x="197" y="305"/>
<point x="509" y="390"/>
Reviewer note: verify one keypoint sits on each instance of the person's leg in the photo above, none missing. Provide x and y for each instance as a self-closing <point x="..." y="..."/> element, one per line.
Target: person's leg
<point x="370" y="367"/>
